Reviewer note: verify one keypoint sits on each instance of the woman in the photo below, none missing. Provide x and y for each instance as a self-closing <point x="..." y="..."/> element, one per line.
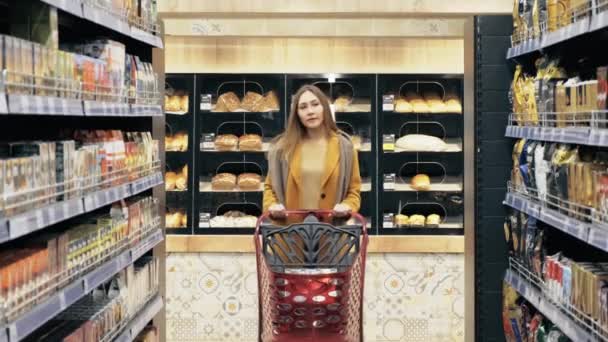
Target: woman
<point x="312" y="165"/>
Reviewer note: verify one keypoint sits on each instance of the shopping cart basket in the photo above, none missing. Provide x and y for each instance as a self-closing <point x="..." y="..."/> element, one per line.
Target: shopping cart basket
<point x="310" y="277"/>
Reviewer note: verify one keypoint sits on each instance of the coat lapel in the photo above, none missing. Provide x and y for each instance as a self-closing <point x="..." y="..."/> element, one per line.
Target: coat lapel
<point x="331" y="159"/>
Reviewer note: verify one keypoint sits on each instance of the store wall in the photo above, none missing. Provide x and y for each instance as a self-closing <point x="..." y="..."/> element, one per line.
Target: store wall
<point x="408" y="297"/>
<point x="314" y="55"/>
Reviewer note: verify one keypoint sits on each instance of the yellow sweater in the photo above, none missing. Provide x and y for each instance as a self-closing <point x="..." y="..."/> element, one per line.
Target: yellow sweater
<point x="311" y="169"/>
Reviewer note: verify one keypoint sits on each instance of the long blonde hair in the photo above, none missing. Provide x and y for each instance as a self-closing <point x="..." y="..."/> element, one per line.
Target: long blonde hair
<point x="287" y="142"/>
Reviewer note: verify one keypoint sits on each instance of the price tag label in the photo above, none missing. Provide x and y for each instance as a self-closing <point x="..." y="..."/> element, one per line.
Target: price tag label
<point x="206" y="102"/>
<point x="204" y="220"/>
<point x="208" y="141"/>
<point x="388" y="103"/>
<point x="388" y="142"/>
<point x="388" y="220"/>
<point x="389" y="181"/>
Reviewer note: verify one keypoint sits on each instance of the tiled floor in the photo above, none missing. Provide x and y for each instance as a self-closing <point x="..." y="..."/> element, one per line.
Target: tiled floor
<point x="408" y="297"/>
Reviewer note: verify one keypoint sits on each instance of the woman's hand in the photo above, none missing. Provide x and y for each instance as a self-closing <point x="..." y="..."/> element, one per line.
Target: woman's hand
<point x="277" y="211"/>
<point x="342" y="210"/>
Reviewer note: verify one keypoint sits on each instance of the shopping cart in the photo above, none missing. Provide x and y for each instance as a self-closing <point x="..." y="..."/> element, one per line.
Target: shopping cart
<point x="311" y="271"/>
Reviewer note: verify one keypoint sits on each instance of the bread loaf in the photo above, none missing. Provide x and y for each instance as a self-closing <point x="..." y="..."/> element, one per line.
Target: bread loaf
<point x="421" y="143"/>
<point x="250" y="142"/>
<point x="421" y="182"/>
<point x="250" y="101"/>
<point x="223" y="181"/>
<point x="184" y="220"/>
<point x="356" y="141"/>
<point x="181" y="182"/>
<point x="453" y="106"/>
<point x="401" y="220"/>
<point x="183" y="103"/>
<point x="227" y="102"/>
<point x="170" y="179"/>
<point x="270" y="103"/>
<point x="341" y="103"/>
<point x="403" y="106"/>
<point x="417" y="221"/>
<point x="226" y="142"/>
<point x="433" y="220"/>
<point x="249" y="181"/>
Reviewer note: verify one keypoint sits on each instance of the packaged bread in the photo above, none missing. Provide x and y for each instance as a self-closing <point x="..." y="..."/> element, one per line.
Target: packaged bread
<point x="341" y="103"/>
<point x="421" y="182"/>
<point x="269" y="103"/>
<point x="250" y="100"/>
<point x="417" y="220"/>
<point x="421" y="143"/>
<point x="401" y="220"/>
<point x="223" y="181"/>
<point x="227" y="102"/>
<point x="250" y="142"/>
<point x="170" y="178"/>
<point x="403" y="106"/>
<point x="226" y="142"/>
<point x="249" y="181"/>
<point x="433" y="220"/>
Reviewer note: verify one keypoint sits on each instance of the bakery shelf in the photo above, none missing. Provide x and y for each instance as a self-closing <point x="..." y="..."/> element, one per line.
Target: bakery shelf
<point x="575" y="324"/>
<point x="21" y="327"/>
<point x="593" y="232"/>
<point x="570" y="135"/>
<point x="138" y="323"/>
<point x="453" y="145"/>
<point x="451" y="184"/>
<point x="88" y="10"/>
<point x="265" y="147"/>
<point x="206" y="187"/>
<point x="36" y="219"/>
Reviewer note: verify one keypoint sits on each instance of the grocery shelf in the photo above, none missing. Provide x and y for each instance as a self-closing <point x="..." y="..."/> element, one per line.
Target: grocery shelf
<point x="47" y="105"/>
<point x="595" y="233"/>
<point x="40" y="218"/>
<point x="21" y="327"/>
<point x="451" y="184"/>
<point x="206" y="187"/>
<point x="141" y="320"/>
<point x="569" y="135"/>
<point x="568" y="319"/>
<point x="87" y="9"/>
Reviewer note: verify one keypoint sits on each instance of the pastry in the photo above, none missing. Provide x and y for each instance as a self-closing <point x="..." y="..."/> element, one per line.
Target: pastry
<point x="183" y="103"/>
<point x="417" y="221"/>
<point x="356" y="141"/>
<point x="223" y="181"/>
<point x="421" y="143"/>
<point x="269" y="103"/>
<point x="401" y="220"/>
<point x="226" y="142"/>
<point x="250" y="100"/>
<point x="170" y="178"/>
<point x="250" y="142"/>
<point x="433" y="220"/>
<point x="227" y="102"/>
<point x="453" y="106"/>
<point x="181" y="182"/>
<point x="403" y="106"/>
<point x="421" y="182"/>
<point x="249" y="181"/>
<point x="341" y="103"/>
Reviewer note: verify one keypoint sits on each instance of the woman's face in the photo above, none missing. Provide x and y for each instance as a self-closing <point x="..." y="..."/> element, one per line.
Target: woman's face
<point x="310" y="110"/>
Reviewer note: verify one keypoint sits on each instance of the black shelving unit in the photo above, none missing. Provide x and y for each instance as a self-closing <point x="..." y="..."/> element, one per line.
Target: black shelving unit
<point x="445" y="168"/>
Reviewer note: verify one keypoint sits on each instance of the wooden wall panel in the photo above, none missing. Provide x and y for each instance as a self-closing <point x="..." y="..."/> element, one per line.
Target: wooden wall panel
<point x="300" y="55"/>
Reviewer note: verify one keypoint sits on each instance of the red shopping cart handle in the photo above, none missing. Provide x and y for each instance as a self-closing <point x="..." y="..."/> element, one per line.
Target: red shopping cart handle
<point x="317" y="213"/>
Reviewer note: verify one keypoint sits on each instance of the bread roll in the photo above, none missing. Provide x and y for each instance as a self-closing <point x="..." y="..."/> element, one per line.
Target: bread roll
<point x="421" y="143"/>
<point x="401" y="220"/>
<point x="341" y="103"/>
<point x="417" y="220"/>
<point x="226" y="142"/>
<point x="183" y="103"/>
<point x="250" y="101"/>
<point x="433" y="220"/>
<point x="453" y="106"/>
<point x="403" y="106"/>
<point x="227" y="102"/>
<point x="170" y="178"/>
<point x="223" y="181"/>
<point x="173" y="220"/>
<point x="250" y="142"/>
<point x="421" y="182"/>
<point x="249" y="181"/>
<point x="181" y="182"/>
